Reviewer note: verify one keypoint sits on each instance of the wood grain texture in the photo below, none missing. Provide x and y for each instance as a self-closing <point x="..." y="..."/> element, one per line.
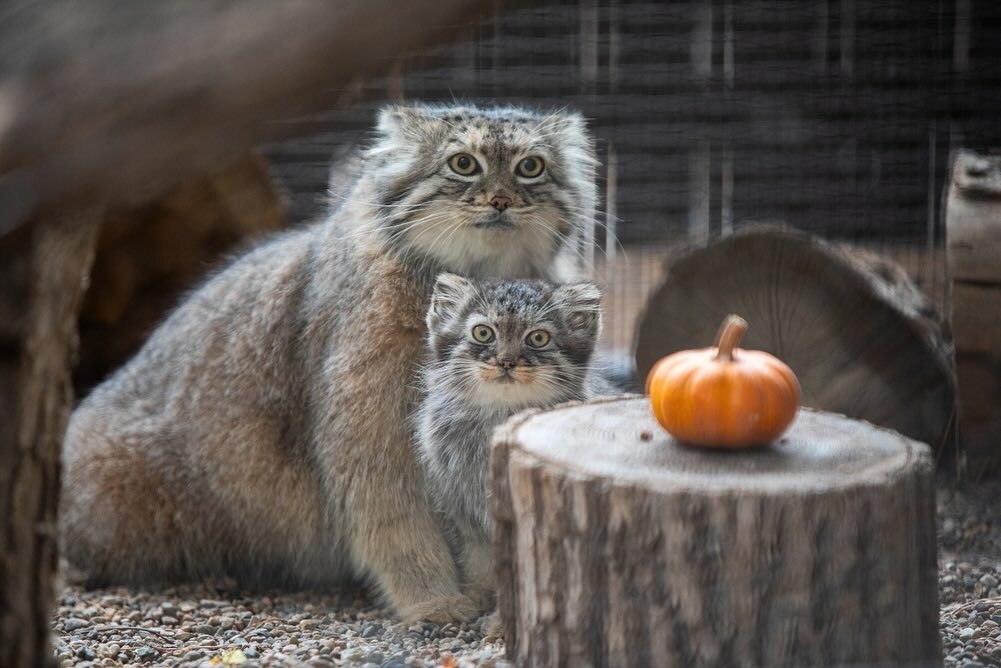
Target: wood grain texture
<point x="47" y="285"/>
<point x="860" y="336"/>
<point x="617" y="546"/>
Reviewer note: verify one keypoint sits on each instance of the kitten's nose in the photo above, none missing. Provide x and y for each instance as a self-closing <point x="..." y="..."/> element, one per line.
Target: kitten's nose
<point x="507" y="362"/>
<point x="500" y="202"/>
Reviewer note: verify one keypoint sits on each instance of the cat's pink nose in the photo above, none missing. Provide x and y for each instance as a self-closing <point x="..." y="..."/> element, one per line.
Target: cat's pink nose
<point x="500" y="202"/>
<point x="507" y="362"/>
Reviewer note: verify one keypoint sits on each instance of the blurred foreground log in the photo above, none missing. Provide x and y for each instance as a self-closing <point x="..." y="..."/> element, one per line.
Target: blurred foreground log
<point x="862" y="338"/>
<point x="973" y="242"/>
<point x="617" y="546"/>
<point x="127" y="98"/>
<point x="42" y="281"/>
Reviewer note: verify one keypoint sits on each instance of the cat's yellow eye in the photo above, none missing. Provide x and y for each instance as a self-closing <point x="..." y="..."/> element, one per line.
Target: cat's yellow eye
<point x="530" y="167"/>
<point x="483" y="334"/>
<point x="463" y="164"/>
<point x="537" y="338"/>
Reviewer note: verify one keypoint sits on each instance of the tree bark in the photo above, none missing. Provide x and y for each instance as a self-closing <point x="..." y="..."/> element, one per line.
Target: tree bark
<point x="44" y="275"/>
<point x="617" y="546"/>
<point x="863" y="340"/>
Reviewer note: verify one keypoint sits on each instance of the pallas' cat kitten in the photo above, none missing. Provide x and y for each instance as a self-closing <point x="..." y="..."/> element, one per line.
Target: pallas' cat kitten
<point x="263" y="430"/>
<point x="496" y="347"/>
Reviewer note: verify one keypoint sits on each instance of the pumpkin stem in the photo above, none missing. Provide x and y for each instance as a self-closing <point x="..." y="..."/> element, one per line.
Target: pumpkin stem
<point x="730" y="333"/>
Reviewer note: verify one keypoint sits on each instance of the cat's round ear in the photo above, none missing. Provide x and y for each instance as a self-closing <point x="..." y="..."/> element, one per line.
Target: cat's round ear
<point x="403" y="122"/>
<point x="582" y="301"/>
<point x="449" y="294"/>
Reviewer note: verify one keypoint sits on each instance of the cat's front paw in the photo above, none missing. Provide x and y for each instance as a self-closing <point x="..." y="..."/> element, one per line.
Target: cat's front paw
<point x="490" y="625"/>
<point x="441" y="610"/>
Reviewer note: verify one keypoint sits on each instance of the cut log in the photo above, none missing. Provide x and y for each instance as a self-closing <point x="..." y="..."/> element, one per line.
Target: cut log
<point x="976" y="317"/>
<point x="973" y="218"/>
<point x="618" y="546"/>
<point x="43" y="273"/>
<point x="973" y="240"/>
<point x="861" y="337"/>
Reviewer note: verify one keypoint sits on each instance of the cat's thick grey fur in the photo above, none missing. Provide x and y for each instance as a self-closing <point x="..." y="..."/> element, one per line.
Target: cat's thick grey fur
<point x="471" y="387"/>
<point x="263" y="430"/>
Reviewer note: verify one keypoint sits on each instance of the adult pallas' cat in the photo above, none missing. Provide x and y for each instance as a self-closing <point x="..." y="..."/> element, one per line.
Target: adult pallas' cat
<point x="262" y="432"/>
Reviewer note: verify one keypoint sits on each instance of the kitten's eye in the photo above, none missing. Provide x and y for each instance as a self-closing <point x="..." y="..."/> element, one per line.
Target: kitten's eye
<point x="538" y="338"/>
<point x="463" y="164"/>
<point x="483" y="334"/>
<point x="530" y="167"/>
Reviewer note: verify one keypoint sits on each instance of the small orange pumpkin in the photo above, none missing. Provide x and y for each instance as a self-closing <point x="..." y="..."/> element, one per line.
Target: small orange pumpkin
<point x="724" y="397"/>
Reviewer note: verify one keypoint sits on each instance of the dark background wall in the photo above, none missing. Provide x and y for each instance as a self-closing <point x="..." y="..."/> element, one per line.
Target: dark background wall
<point x="836" y="116"/>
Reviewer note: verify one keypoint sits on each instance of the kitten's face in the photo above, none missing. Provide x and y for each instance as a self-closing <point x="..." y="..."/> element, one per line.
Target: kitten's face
<point x="512" y="343"/>
<point x="483" y="192"/>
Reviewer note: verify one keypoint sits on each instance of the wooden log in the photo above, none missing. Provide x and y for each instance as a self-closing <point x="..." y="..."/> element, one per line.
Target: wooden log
<point x="862" y="338"/>
<point x="43" y="274"/>
<point x="976" y="318"/>
<point x="618" y="546"/>
<point x="973" y="218"/>
<point x="979" y="379"/>
<point x="129" y="100"/>
<point x="973" y="242"/>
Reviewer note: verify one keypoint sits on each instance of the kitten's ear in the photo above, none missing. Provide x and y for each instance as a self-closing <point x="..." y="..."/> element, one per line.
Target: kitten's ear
<point x="582" y="302"/>
<point x="449" y="294"/>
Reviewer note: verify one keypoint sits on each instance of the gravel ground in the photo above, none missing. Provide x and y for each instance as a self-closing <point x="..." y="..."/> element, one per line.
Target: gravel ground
<point x="204" y="625"/>
<point x="213" y="626"/>
<point x="969" y="572"/>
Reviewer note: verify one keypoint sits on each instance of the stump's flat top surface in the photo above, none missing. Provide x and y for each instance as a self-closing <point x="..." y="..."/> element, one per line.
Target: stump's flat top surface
<point x="604" y="438"/>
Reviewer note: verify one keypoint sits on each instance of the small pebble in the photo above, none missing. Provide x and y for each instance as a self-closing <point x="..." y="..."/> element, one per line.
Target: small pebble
<point x="85" y="653"/>
<point x="146" y="654"/>
<point x="75" y="623"/>
<point x="371" y="631"/>
<point x="352" y="656"/>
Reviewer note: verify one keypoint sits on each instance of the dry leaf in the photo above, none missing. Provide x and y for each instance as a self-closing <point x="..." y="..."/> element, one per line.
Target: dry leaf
<point x="233" y="657"/>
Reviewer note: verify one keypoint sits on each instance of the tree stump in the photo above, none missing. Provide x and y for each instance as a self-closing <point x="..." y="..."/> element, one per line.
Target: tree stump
<point x="973" y="241"/>
<point x="862" y="338"/>
<point x="618" y="546"/>
<point x="43" y="275"/>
